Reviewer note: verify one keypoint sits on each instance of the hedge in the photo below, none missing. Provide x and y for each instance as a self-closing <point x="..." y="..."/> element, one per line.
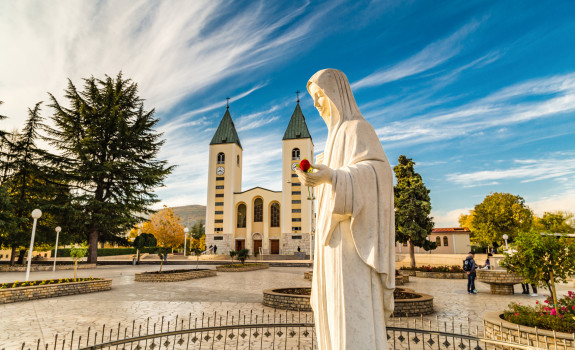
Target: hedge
<point x="65" y="252"/>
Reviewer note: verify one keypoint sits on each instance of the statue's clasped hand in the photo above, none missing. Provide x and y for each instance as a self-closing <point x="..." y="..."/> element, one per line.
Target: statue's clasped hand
<point x="312" y="179"/>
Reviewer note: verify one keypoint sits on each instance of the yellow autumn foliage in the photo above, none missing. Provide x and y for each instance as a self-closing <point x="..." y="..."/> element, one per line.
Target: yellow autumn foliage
<point x="166" y="227"/>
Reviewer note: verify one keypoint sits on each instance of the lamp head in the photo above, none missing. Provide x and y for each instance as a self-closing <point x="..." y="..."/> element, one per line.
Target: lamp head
<point x="58" y="229"/>
<point x="505" y="236"/>
<point x="36" y="213"/>
<point x="186" y="230"/>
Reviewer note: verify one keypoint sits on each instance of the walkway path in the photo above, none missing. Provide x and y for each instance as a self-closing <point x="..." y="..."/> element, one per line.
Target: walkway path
<point x="129" y="300"/>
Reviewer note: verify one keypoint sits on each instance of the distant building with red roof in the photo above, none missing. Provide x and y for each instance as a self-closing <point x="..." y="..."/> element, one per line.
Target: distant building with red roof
<point x="450" y="240"/>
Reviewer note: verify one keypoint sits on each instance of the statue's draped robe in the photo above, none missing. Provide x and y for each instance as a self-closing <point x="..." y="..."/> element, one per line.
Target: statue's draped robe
<point x="354" y="266"/>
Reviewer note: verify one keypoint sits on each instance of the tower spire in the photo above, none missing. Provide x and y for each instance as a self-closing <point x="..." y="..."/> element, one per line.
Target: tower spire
<point x="297" y="94"/>
<point x="227" y="103"/>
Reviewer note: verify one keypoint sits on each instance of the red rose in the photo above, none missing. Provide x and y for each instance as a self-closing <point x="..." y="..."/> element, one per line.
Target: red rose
<point x="304" y="165"/>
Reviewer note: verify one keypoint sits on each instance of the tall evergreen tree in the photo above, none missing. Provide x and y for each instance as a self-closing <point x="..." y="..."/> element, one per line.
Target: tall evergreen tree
<point x="28" y="183"/>
<point x="412" y="207"/>
<point x="108" y="150"/>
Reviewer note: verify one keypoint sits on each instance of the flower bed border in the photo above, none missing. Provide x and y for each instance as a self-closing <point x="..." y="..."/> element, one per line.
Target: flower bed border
<point x="176" y="276"/>
<point x="441" y="275"/>
<point x="13" y="295"/>
<point x="286" y="301"/>
<point x="246" y="267"/>
<point x="497" y="328"/>
<point x="423" y="305"/>
<point x="308" y="275"/>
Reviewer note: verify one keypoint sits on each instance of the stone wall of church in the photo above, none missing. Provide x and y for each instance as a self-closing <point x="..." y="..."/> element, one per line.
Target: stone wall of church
<point x="223" y="241"/>
<point x="290" y="242"/>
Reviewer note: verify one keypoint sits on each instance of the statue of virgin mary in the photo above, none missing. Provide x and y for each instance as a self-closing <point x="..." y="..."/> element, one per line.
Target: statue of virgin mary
<point x="354" y="265"/>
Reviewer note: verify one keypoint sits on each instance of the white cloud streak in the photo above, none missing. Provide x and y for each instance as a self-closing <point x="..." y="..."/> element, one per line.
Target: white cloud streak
<point x="519" y="103"/>
<point x="429" y="57"/>
<point x="558" y="167"/>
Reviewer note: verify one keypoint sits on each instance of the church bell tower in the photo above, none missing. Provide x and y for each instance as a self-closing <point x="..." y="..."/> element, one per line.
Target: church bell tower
<point x="224" y="178"/>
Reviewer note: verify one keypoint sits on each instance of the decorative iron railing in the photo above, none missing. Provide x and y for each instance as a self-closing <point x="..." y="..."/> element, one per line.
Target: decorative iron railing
<point x="267" y="330"/>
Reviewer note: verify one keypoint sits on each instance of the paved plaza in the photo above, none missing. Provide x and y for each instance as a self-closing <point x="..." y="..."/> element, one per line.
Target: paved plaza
<point x="129" y="300"/>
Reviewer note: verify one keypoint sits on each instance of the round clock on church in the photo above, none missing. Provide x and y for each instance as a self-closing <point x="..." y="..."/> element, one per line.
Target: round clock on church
<point x="294" y="166"/>
<point x="220" y="170"/>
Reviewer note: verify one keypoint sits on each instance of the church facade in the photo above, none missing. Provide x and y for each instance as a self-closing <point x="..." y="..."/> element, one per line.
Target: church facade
<point x="258" y="219"/>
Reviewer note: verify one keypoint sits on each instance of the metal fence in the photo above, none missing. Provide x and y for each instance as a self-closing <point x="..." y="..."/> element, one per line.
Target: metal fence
<point x="265" y="330"/>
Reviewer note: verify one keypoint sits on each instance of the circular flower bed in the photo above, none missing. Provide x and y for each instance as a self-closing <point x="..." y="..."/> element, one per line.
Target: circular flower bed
<point x="242" y="267"/>
<point x="295" y="299"/>
<point x="174" y="275"/>
<point x="410" y="303"/>
<point x="23" y="291"/>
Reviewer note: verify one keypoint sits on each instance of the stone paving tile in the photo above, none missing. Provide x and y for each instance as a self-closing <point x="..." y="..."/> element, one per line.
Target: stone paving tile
<point x="234" y="292"/>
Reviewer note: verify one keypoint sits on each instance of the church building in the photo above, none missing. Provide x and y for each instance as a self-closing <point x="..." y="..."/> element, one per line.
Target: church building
<point x="261" y="220"/>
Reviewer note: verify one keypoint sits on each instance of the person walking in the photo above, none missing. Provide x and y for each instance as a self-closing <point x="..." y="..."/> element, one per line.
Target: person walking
<point x="215" y="249"/>
<point x="525" y="287"/>
<point x="470" y="266"/>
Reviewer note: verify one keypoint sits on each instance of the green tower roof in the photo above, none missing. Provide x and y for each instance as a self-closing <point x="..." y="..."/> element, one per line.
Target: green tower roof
<point x="226" y="132"/>
<point x="297" y="128"/>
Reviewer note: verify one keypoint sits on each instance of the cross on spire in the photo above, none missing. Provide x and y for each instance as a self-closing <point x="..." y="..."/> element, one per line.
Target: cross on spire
<point x="297" y="93"/>
<point x="227" y="103"/>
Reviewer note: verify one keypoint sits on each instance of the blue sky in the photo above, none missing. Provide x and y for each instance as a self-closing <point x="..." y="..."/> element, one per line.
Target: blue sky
<point x="481" y="94"/>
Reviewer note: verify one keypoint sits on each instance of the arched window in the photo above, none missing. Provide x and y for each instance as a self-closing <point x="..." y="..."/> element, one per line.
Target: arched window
<point x="258" y="210"/>
<point x="221" y="158"/>
<point x="238" y="160"/>
<point x="295" y="154"/>
<point x="241" y="216"/>
<point x="275" y="215"/>
<point x="445" y="241"/>
<point x="438" y="241"/>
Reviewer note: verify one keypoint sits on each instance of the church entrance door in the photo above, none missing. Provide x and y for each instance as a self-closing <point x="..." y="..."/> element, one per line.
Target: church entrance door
<point x="274" y="246"/>
<point x="257" y="245"/>
<point x="240" y="244"/>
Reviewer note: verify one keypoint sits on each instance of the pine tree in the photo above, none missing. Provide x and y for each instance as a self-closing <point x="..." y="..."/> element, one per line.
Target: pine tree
<point x="28" y="182"/>
<point x="412" y="207"/>
<point x="108" y="155"/>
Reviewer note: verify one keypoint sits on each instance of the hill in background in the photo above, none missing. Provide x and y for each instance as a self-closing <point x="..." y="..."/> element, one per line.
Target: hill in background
<point x="190" y="214"/>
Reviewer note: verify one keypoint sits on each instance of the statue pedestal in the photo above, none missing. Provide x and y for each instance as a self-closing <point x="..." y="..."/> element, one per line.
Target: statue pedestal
<point x="500" y="281"/>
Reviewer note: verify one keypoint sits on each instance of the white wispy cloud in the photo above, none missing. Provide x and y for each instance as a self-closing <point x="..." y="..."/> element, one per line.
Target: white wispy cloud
<point x="556" y="167"/>
<point x="449" y="218"/>
<point x="519" y="103"/>
<point x="173" y="49"/>
<point x="429" y="57"/>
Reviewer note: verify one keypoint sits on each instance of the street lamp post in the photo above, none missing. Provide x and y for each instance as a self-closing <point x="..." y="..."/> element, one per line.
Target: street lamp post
<point x="505" y="237"/>
<point x="58" y="229"/>
<point x="36" y="214"/>
<point x="186" y="230"/>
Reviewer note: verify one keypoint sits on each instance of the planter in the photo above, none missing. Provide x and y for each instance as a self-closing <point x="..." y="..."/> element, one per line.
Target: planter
<point x="497" y="328"/>
<point x="12" y="295"/>
<point x="441" y="275"/>
<point x="308" y="275"/>
<point x="174" y="275"/>
<point x="409" y="303"/>
<point x="240" y="268"/>
<point x="45" y="267"/>
<point x="407" y="272"/>
<point x="500" y="281"/>
<point x="295" y="299"/>
<point x="401" y="280"/>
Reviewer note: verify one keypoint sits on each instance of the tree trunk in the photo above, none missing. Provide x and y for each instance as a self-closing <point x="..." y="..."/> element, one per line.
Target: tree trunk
<point x="21" y="257"/>
<point x="12" y="256"/>
<point x="93" y="247"/>
<point x="412" y="253"/>
<point x="554" y="292"/>
<point x="75" y="268"/>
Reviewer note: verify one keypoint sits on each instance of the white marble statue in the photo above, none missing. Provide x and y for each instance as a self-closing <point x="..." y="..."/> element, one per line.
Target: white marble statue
<point x="354" y="266"/>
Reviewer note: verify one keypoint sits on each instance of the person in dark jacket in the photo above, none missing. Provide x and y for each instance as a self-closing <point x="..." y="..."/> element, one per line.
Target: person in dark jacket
<point x="471" y="274"/>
